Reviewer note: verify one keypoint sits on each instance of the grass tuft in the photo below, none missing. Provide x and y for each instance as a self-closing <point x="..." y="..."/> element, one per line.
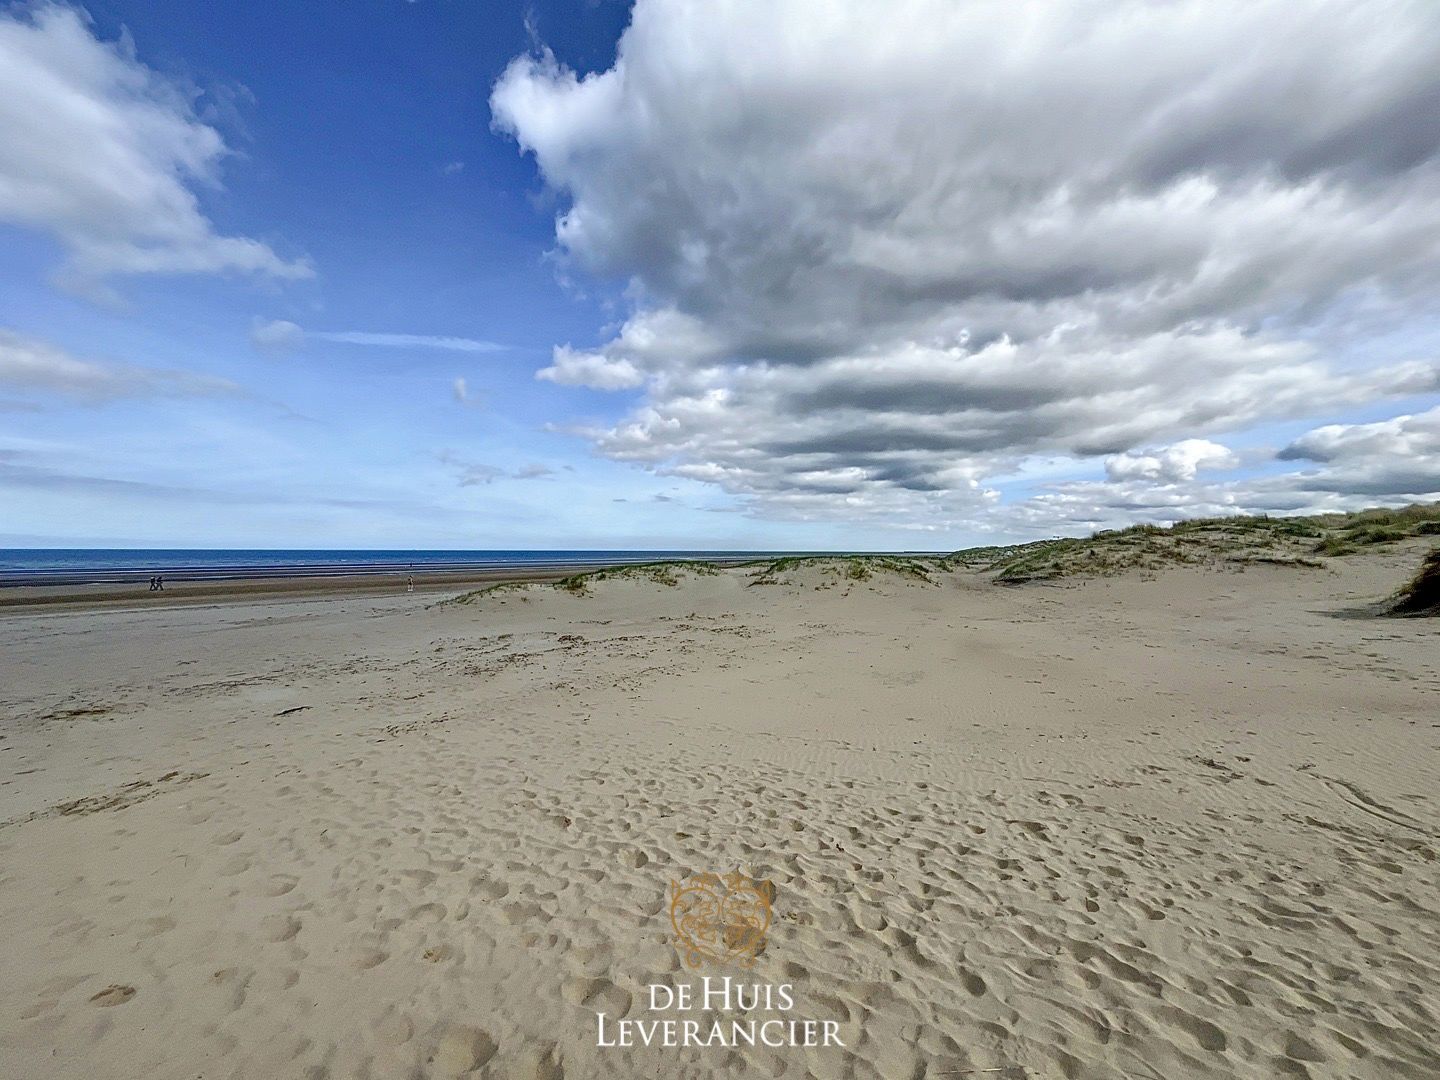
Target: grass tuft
<point x="1422" y="595"/>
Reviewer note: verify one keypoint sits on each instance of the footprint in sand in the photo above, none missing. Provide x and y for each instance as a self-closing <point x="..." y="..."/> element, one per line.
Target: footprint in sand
<point x="369" y="958"/>
<point x="113" y="995"/>
<point x="428" y="913"/>
<point x="236" y="865"/>
<point x="279" y="927"/>
<point x="539" y="1063"/>
<point x="489" y="890"/>
<point x="161" y="924"/>
<point x="394" y="1028"/>
<point x="462" y="1049"/>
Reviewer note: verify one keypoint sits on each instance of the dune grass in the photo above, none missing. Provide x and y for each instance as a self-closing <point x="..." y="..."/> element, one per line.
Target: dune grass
<point x="1236" y="541"/>
<point x="1422" y="595"/>
<point x="834" y="569"/>
<point x="1298" y="541"/>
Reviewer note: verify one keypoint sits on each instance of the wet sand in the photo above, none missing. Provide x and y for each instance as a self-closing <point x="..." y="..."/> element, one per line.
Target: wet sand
<point x="138" y="595"/>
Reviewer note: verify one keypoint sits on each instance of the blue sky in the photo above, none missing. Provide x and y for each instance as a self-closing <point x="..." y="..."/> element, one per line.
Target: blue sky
<point x="346" y="134"/>
<point x="481" y="275"/>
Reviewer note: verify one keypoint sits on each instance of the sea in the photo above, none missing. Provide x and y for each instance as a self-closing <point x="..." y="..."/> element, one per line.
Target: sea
<point x="86" y="566"/>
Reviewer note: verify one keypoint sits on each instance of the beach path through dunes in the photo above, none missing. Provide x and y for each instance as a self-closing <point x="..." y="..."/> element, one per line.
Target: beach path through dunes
<point x="1176" y="827"/>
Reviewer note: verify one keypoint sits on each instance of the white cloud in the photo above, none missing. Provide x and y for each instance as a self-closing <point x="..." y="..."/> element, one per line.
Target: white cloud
<point x="592" y="369"/>
<point x="880" y="253"/>
<point x="281" y="334"/>
<point x="29" y="365"/>
<point x="1348" y="467"/>
<point x="463" y="395"/>
<point x="1171" y="463"/>
<point x="106" y="155"/>
<point x="1404" y="436"/>
<point x="1390" y="460"/>
<point x="275" y="335"/>
<point x="408" y="341"/>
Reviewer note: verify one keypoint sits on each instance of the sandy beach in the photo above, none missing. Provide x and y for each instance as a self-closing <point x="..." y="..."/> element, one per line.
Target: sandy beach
<point x="664" y="540"/>
<point x="1169" y="824"/>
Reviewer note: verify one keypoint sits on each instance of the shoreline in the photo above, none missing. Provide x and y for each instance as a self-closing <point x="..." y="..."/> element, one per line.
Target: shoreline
<point x="294" y="582"/>
<point x="112" y="595"/>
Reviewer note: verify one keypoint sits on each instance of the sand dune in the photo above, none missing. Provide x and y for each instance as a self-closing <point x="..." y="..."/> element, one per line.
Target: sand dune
<point x="1173" y="825"/>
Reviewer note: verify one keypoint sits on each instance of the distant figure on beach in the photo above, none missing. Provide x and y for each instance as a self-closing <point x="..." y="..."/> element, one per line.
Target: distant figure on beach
<point x="159" y="583"/>
<point x="153" y="580"/>
<point x="410" y="583"/>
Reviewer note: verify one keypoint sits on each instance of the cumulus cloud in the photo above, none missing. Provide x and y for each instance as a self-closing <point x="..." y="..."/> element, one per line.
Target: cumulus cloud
<point x="1388" y="460"/>
<point x="1345" y="467"/>
<point x="30" y="365"/>
<point x="1171" y="463"/>
<point x="593" y="369"/>
<point x="106" y="155"/>
<point x="881" y="253"/>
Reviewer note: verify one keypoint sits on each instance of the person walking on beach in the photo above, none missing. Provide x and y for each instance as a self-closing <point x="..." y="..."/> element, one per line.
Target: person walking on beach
<point x="153" y="580"/>
<point x="159" y="583"/>
<point x="410" y="583"/>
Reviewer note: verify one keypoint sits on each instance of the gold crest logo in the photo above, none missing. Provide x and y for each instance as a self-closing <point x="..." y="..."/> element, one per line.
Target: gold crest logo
<point x="718" y="918"/>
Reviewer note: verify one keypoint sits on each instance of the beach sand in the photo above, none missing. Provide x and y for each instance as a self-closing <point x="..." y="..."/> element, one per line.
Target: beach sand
<point x="1170" y="825"/>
